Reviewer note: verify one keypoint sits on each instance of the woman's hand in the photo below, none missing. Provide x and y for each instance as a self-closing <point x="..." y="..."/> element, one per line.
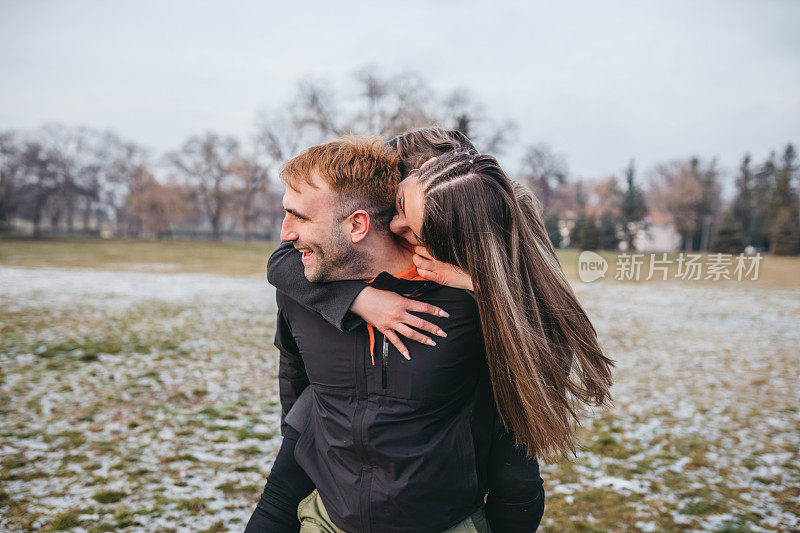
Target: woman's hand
<point x="442" y="273"/>
<point x="391" y="314"/>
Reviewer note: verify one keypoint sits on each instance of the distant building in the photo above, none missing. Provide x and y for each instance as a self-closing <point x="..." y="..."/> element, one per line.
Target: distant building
<point x="657" y="235"/>
<point x="564" y="228"/>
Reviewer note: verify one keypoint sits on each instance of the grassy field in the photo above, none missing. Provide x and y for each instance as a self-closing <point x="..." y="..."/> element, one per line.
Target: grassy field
<point x="230" y="258"/>
<point x="138" y="393"/>
<point x="234" y="258"/>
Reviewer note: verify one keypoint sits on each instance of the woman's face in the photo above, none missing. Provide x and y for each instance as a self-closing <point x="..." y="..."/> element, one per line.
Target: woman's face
<point x="409" y="204"/>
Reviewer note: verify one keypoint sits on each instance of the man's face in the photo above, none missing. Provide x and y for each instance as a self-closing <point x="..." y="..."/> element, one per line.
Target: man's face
<point x="313" y="225"/>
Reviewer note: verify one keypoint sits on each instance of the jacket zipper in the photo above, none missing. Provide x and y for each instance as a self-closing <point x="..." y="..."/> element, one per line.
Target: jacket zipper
<point x="385" y="363"/>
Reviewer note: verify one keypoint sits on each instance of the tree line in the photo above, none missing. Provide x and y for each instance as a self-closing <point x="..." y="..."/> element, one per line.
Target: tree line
<point x="763" y="213"/>
<point x="63" y="180"/>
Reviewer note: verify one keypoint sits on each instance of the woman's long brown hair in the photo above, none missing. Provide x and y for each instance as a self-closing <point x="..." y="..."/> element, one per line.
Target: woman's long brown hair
<point x="544" y="359"/>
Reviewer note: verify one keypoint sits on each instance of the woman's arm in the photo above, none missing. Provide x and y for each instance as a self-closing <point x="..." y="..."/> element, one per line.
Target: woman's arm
<point x="515" y="503"/>
<point x="331" y="300"/>
<point x="345" y="303"/>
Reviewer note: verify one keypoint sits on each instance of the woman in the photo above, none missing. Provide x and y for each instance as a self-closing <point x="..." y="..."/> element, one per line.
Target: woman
<point x="515" y="500"/>
<point x="544" y="358"/>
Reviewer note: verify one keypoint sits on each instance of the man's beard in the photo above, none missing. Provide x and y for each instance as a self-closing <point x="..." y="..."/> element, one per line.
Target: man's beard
<point x="338" y="259"/>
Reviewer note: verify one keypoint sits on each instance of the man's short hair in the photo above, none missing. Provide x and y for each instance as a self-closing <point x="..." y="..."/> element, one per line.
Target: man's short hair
<point x="363" y="170"/>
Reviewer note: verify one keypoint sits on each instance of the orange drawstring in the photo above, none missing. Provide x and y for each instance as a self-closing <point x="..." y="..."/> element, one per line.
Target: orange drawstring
<point x="410" y="274"/>
<point x="371" y="332"/>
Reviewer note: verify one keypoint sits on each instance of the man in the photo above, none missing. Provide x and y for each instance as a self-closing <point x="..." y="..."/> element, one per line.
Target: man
<point x="392" y="445"/>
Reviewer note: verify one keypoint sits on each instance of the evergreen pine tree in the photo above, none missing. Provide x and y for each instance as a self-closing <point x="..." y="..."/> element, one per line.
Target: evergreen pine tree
<point x="608" y="231"/>
<point x="577" y="230"/>
<point x="784" y="196"/>
<point x="727" y="236"/>
<point x="708" y="206"/>
<point x="762" y="195"/>
<point x="743" y="206"/>
<point x="786" y="235"/>
<point x="589" y="237"/>
<point x="553" y="231"/>
<point x="634" y="207"/>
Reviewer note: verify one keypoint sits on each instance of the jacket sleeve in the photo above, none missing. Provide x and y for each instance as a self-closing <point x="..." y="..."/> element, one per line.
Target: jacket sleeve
<point x="330" y="300"/>
<point x="292" y="377"/>
<point x="515" y="502"/>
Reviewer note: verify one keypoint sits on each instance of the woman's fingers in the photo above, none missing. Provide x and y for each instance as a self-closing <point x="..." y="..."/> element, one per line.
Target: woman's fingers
<point x="421" y="262"/>
<point x="430" y="275"/>
<point x="442" y="273"/>
<point x="431" y="269"/>
<point x="428" y="309"/>
<point x="400" y="321"/>
<point x="394" y="339"/>
<point x="414" y="335"/>
<point x="423" y="252"/>
<point x="417" y="322"/>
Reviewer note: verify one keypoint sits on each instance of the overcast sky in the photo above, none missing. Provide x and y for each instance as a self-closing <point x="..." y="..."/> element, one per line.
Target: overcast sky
<point x="600" y="82"/>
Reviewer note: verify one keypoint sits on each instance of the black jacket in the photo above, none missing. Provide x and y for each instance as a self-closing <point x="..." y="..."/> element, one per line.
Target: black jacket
<point x="396" y="446"/>
<point x="515" y="499"/>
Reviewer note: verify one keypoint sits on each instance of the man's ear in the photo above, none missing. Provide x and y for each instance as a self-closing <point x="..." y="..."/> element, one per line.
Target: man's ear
<point x="359" y="225"/>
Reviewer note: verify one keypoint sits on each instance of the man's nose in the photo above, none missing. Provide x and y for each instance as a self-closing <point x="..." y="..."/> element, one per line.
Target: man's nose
<point x="287" y="231"/>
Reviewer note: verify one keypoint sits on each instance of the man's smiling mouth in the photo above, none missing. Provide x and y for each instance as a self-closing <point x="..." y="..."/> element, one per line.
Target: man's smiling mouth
<point x="306" y="253"/>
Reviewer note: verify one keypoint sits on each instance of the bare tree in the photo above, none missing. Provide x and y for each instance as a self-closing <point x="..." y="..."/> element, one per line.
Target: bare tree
<point x="86" y="154"/>
<point x="409" y="105"/>
<point x="124" y="172"/>
<point x="395" y="104"/>
<point x="543" y="172"/>
<point x="104" y="163"/>
<point x="314" y="108"/>
<point x="389" y="105"/>
<point x="65" y="173"/>
<point x="381" y="105"/>
<point x="678" y="191"/>
<point x="42" y="178"/>
<point x="153" y="209"/>
<point x="606" y="196"/>
<point x="60" y="140"/>
<point x="12" y="172"/>
<point x="282" y="132"/>
<point x="375" y="91"/>
<point x="253" y="180"/>
<point x="462" y="112"/>
<point x="207" y="164"/>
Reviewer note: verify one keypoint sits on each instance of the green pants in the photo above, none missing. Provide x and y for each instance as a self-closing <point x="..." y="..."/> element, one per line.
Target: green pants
<point x="314" y="519"/>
